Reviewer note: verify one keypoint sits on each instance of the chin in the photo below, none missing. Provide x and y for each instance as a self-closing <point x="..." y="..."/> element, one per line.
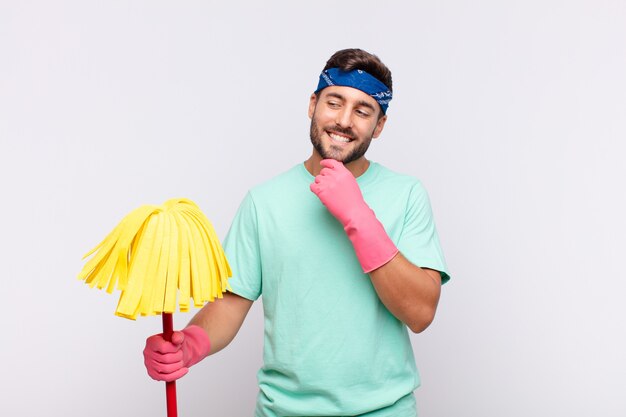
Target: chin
<point x="334" y="155"/>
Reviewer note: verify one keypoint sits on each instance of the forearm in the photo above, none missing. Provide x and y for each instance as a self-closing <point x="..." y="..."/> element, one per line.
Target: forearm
<point x="222" y="319"/>
<point x="409" y="292"/>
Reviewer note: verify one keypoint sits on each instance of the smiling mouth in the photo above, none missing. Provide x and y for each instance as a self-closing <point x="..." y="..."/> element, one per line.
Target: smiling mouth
<point x="339" y="138"/>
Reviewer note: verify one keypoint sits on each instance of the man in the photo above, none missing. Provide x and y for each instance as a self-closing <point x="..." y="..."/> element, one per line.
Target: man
<point x="346" y="256"/>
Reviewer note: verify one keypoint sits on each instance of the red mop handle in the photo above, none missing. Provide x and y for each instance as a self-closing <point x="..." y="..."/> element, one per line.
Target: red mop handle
<point x="170" y="387"/>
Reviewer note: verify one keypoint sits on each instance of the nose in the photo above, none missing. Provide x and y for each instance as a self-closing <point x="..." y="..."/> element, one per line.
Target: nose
<point x="344" y="117"/>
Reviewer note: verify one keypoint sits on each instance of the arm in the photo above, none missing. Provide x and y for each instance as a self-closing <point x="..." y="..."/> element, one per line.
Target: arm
<point x="211" y="329"/>
<point x="222" y="319"/>
<point x="409" y="292"/>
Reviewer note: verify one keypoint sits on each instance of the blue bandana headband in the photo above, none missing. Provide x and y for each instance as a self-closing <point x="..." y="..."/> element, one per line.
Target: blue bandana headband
<point x="358" y="79"/>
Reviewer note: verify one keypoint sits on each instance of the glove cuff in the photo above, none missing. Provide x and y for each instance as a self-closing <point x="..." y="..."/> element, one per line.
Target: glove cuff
<point x="371" y="243"/>
<point x="196" y="345"/>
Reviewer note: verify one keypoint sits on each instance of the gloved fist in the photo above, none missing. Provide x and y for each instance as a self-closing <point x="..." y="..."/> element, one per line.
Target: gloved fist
<point x="338" y="190"/>
<point x="169" y="361"/>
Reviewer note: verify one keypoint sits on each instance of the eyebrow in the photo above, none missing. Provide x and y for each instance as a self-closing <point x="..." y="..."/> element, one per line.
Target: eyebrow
<point x="362" y="103"/>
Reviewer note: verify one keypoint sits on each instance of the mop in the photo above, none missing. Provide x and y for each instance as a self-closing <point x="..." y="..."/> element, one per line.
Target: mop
<point x="155" y="254"/>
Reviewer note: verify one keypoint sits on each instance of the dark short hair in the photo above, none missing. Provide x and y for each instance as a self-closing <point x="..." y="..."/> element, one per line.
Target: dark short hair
<point x="351" y="59"/>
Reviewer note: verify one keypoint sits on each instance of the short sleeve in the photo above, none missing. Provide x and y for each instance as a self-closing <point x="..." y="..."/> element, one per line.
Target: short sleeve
<point x="419" y="242"/>
<point x="241" y="247"/>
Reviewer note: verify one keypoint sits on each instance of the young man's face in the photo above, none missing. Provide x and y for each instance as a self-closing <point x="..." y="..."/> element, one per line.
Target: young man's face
<point x="344" y="121"/>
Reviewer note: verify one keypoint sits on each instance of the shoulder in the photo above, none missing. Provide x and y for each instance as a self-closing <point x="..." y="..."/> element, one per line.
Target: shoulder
<point x="395" y="180"/>
<point x="400" y="189"/>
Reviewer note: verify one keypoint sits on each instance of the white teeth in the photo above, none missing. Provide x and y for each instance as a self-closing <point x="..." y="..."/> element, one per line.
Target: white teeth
<point x="339" y="138"/>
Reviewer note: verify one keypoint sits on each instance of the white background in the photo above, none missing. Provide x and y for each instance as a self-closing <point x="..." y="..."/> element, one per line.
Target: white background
<point x="512" y="113"/>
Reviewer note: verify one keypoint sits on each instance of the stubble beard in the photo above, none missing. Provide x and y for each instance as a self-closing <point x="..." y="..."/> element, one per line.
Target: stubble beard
<point x="334" y="152"/>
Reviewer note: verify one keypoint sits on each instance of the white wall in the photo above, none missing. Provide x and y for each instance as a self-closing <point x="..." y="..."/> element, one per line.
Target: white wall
<point x="512" y="114"/>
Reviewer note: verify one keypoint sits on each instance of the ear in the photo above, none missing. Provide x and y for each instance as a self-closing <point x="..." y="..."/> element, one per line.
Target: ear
<point x="380" y="124"/>
<point x="312" y="104"/>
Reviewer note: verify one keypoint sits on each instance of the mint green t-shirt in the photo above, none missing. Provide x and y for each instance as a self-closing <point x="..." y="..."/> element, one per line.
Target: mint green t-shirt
<point x="331" y="347"/>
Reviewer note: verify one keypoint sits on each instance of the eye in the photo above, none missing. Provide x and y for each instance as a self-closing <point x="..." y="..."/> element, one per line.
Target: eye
<point x="333" y="104"/>
<point x="363" y="113"/>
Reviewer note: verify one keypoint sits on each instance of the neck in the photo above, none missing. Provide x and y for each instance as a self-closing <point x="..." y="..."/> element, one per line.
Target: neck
<point x="357" y="167"/>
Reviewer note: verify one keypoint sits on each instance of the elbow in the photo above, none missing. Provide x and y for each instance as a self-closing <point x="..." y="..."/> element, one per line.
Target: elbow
<point x="418" y="327"/>
<point x="421" y="321"/>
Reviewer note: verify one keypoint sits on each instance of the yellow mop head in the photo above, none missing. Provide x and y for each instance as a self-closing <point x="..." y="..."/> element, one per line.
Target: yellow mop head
<point x="156" y="250"/>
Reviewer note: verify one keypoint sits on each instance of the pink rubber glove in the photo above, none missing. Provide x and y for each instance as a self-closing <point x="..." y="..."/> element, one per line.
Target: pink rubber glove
<point x="338" y="190"/>
<point x="168" y="361"/>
